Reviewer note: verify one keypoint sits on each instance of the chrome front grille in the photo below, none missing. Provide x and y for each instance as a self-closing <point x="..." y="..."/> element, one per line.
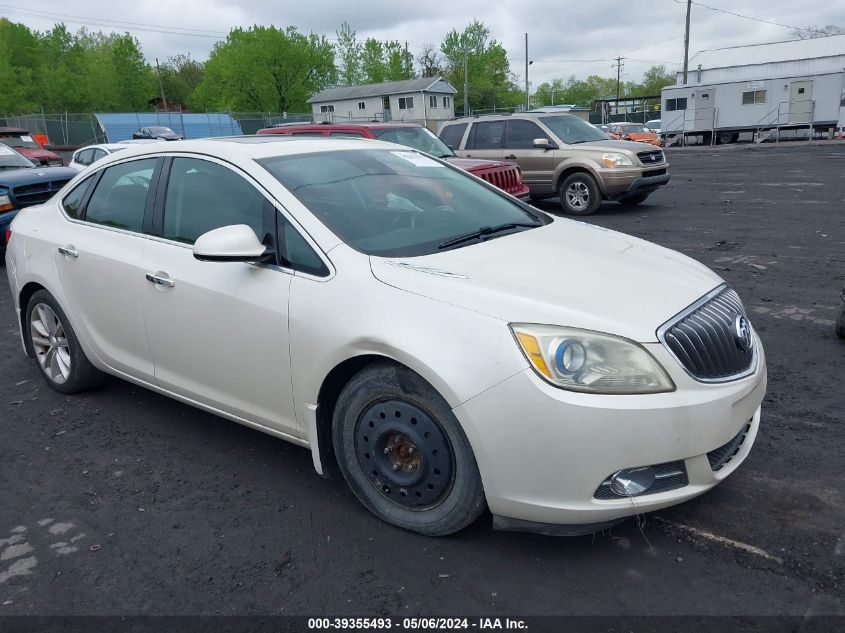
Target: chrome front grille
<point x="704" y="340"/>
<point x="651" y="157"/>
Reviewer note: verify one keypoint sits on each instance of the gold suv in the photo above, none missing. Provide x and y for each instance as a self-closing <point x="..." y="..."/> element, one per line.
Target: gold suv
<point x="563" y="155"/>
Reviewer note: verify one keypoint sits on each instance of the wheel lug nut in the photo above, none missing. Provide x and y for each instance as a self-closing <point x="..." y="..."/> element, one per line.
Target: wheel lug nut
<point x="411" y="450"/>
<point x="395" y="467"/>
<point x="387" y="450"/>
<point x="412" y="466"/>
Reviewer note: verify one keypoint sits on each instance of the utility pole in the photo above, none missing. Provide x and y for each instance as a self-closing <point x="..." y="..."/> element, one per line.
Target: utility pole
<point x="618" y="64"/>
<point x="686" y="41"/>
<point x="161" y="86"/>
<point x="527" y="97"/>
<point x="466" y="83"/>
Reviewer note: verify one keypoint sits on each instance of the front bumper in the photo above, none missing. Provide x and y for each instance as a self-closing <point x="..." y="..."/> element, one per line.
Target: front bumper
<point x="543" y="452"/>
<point x="622" y="183"/>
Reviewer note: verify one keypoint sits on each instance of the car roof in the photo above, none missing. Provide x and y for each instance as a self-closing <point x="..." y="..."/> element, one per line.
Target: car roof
<point x="13" y="130"/>
<point x="354" y="124"/>
<point x="252" y="147"/>
<point x="103" y="146"/>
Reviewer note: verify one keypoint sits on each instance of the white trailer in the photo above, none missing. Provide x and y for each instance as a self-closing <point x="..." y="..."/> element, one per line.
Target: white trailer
<point x="764" y="91"/>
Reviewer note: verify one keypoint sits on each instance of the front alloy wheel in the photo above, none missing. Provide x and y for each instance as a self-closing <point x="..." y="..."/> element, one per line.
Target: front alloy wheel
<point x="579" y="194"/>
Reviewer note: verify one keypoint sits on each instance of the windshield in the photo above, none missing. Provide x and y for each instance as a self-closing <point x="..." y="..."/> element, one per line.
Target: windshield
<point x="571" y="130"/>
<point x="635" y="128"/>
<point x="417" y="137"/>
<point x="161" y="130"/>
<point x="19" y="141"/>
<point x="10" y="159"/>
<point x="396" y="203"/>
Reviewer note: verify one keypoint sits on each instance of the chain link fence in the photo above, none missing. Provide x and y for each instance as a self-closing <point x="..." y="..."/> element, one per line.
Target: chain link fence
<point x="69" y="131"/>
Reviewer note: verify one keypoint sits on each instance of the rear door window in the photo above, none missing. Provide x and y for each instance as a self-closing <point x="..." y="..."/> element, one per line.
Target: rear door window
<point x="121" y="195"/>
<point x="487" y="135"/>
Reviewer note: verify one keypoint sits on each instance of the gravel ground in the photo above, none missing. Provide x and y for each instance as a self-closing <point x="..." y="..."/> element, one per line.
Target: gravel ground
<point x="121" y="501"/>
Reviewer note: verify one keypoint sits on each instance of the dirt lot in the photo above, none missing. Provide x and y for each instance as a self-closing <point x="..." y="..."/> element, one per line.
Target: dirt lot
<point x="124" y="502"/>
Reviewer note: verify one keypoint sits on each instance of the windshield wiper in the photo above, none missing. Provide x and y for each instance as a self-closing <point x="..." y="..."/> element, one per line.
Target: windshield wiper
<point x="486" y="231"/>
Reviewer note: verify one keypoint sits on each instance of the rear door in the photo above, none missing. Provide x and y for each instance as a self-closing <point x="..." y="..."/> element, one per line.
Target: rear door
<point x="99" y="263"/>
<point x="537" y="164"/>
<point x="486" y="140"/>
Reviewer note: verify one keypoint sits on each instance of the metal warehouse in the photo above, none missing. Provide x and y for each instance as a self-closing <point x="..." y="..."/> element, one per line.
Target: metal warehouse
<point x="794" y="87"/>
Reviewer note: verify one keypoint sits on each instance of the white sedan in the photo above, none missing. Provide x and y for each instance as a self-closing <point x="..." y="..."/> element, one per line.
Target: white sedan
<point x="443" y="345"/>
<point x="92" y="153"/>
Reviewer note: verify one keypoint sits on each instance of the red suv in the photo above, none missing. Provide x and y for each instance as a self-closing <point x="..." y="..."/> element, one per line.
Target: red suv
<point x="505" y="176"/>
<point x="29" y="147"/>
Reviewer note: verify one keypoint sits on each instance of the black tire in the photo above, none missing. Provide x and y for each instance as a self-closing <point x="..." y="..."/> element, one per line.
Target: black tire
<point x="438" y="494"/>
<point x="579" y="186"/>
<point x="81" y="374"/>
<point x="725" y="138"/>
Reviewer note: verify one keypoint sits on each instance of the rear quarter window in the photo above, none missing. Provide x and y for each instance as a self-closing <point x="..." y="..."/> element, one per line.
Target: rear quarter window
<point x="72" y="202"/>
<point x="453" y="134"/>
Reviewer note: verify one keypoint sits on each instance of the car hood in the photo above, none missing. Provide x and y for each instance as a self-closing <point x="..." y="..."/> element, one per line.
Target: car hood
<point x="37" y="152"/>
<point x="612" y="144"/>
<point x="473" y="164"/>
<point x="565" y="273"/>
<point x="35" y="175"/>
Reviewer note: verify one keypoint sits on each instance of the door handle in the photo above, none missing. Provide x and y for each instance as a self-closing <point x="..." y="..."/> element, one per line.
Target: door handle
<point x="158" y="280"/>
<point x="69" y="251"/>
<point x="510" y="157"/>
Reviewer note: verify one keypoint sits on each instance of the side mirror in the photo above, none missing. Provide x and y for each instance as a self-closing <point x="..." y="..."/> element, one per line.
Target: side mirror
<point x="234" y="243"/>
<point x="542" y="143"/>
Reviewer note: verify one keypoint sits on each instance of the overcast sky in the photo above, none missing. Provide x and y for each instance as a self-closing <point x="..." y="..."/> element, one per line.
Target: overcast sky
<point x="565" y="37"/>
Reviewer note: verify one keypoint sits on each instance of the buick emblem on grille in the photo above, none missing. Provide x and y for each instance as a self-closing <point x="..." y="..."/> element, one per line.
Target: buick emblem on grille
<point x="742" y="333"/>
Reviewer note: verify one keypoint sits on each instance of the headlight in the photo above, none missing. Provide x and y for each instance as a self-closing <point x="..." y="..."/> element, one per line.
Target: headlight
<point x="592" y="362"/>
<point x="5" y="203"/>
<point x="614" y="159"/>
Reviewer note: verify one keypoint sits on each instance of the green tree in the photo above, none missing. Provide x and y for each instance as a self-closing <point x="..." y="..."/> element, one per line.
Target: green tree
<point x="349" y="52"/>
<point x="654" y="80"/>
<point x="373" y="67"/>
<point x="20" y="66"/>
<point x="180" y="76"/>
<point x="265" y="68"/>
<point x="491" y="83"/>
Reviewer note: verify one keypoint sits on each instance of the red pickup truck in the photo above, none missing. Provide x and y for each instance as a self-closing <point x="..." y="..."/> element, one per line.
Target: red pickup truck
<point x="506" y="176"/>
<point x="23" y="142"/>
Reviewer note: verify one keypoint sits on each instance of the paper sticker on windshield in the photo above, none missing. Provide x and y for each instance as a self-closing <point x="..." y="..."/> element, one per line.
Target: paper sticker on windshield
<point x="27" y="139"/>
<point x="417" y="159"/>
<point x="5" y="151"/>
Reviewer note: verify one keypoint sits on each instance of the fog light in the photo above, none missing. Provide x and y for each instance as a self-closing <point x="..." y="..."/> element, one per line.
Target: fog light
<point x="632" y="481"/>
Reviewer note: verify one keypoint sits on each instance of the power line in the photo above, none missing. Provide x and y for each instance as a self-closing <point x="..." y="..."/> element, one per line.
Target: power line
<point x="747" y="17"/>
